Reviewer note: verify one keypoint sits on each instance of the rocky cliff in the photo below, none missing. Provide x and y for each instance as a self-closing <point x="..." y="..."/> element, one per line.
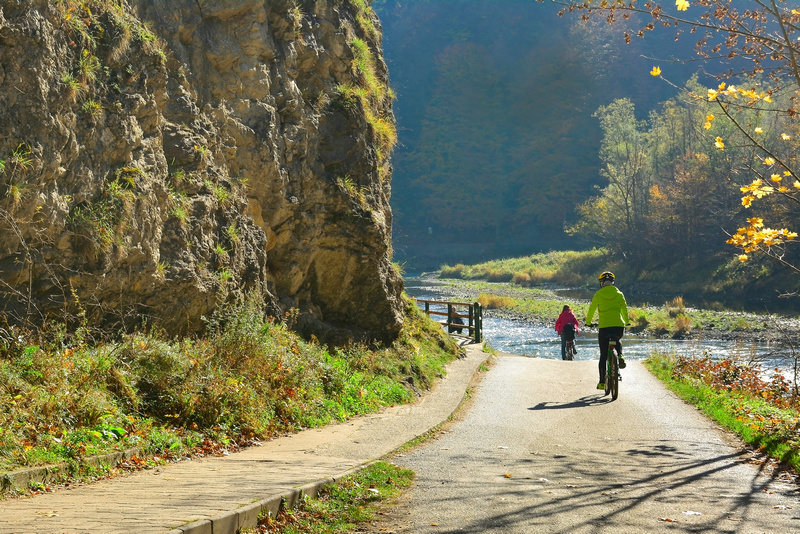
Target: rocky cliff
<point x="161" y="157"/>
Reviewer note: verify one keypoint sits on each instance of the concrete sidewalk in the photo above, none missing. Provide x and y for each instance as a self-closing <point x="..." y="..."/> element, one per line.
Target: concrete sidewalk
<point x="222" y="495"/>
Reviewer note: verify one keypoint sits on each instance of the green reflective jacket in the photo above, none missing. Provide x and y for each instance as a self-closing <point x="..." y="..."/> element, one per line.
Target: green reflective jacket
<point x="610" y="303"/>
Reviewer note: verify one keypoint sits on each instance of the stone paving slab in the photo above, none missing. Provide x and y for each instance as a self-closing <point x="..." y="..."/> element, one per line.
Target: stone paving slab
<point x="222" y="495"/>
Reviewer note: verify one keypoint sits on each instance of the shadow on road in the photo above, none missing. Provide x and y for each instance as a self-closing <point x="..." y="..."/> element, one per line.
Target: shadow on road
<point x="650" y="472"/>
<point x="583" y="402"/>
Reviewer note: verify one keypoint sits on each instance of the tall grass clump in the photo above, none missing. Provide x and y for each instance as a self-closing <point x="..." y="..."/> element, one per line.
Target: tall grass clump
<point x="493" y="302"/>
<point x="675" y="307"/>
<point x="250" y="377"/>
<point x="452" y="271"/>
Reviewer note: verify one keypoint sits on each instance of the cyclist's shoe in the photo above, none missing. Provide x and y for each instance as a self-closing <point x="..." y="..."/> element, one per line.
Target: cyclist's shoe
<point x="621" y="362"/>
<point x="601" y="385"/>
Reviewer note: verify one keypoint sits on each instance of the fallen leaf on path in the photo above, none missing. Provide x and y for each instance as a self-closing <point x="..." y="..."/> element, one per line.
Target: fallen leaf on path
<point x="667" y="520"/>
<point x="507" y="475"/>
<point x="570" y="486"/>
<point x="781" y="507"/>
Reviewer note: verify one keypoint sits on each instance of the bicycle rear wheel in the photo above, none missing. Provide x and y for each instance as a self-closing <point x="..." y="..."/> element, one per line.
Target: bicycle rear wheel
<point x="613" y="374"/>
<point x="570" y="350"/>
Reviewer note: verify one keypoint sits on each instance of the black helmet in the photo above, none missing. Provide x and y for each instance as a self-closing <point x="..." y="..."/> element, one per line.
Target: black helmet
<point x="607" y="275"/>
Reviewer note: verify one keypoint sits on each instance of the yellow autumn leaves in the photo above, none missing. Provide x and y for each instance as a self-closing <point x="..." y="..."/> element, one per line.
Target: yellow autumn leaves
<point x="737" y="92"/>
<point x="682" y="5"/>
<point x="755" y="237"/>
<point x="758" y="189"/>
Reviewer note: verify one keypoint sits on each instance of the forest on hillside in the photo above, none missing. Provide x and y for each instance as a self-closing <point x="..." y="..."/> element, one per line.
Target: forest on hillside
<point x="498" y="144"/>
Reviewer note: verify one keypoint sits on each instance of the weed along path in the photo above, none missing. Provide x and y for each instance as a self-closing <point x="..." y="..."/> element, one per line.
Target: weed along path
<point x="539" y="449"/>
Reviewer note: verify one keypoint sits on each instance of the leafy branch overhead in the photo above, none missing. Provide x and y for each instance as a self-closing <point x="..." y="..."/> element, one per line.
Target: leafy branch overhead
<point x="750" y="112"/>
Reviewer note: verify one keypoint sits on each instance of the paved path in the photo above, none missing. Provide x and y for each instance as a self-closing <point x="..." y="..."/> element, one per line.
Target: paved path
<point x="221" y="495"/>
<point x="538" y="449"/>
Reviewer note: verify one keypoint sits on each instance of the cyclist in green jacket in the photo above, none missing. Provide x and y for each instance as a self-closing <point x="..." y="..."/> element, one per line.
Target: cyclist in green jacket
<point x="610" y="303"/>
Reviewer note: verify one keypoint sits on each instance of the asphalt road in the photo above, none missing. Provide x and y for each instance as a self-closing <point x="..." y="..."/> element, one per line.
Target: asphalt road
<point x="538" y="449"/>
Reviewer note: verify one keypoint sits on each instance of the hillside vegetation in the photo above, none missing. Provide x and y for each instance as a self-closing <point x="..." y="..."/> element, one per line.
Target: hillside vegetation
<point x="66" y="398"/>
<point x="497" y="142"/>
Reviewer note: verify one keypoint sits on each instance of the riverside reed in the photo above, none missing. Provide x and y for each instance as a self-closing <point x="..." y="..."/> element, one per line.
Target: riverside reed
<point x="250" y="378"/>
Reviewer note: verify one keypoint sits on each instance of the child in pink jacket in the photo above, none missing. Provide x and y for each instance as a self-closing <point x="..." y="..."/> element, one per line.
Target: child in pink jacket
<point x="567" y="328"/>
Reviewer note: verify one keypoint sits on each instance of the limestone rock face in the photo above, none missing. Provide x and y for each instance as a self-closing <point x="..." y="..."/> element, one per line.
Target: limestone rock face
<point x="166" y="156"/>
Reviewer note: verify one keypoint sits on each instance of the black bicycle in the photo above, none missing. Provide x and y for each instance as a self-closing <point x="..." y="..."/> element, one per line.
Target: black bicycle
<point x="612" y="369"/>
<point x="571" y="350"/>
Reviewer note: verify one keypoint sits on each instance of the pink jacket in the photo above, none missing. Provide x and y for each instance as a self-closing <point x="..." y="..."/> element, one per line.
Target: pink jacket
<point x="566" y="317"/>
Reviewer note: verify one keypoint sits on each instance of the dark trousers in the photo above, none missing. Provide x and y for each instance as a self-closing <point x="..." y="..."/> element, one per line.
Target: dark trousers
<point x="603" y="336"/>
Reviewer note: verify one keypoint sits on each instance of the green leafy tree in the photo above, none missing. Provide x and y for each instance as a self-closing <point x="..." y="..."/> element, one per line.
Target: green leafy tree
<point x="756" y="41"/>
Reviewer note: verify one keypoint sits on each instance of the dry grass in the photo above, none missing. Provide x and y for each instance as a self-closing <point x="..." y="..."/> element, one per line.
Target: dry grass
<point x="675" y="307"/>
<point x="683" y="325"/>
<point x="493" y="302"/>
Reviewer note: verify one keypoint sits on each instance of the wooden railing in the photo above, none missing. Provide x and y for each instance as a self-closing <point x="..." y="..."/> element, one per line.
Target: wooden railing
<point x="472" y="312"/>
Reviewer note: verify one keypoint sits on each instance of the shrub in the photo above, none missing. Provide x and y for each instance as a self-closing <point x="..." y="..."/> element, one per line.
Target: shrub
<point x="522" y="279"/>
<point x="498" y="275"/>
<point x="639" y="321"/>
<point x="492" y="302"/>
<point x="456" y="271"/>
<point x="660" y="328"/>
<point x="675" y="307"/>
<point x="682" y="326"/>
<point x="249" y="377"/>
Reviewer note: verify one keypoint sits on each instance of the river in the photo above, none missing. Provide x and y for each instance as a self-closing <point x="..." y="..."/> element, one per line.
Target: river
<point x="541" y="341"/>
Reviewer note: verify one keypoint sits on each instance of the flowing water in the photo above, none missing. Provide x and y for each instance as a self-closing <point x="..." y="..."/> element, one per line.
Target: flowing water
<point x="528" y="339"/>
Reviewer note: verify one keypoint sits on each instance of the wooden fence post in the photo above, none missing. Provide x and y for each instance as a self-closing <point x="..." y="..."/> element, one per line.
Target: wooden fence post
<point x="449" y="318"/>
<point x="478" y="322"/>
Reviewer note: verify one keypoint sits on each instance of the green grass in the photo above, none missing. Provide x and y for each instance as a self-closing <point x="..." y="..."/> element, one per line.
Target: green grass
<point x="568" y="268"/>
<point x="758" y="422"/>
<point x="249" y="378"/>
<point x="343" y="506"/>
